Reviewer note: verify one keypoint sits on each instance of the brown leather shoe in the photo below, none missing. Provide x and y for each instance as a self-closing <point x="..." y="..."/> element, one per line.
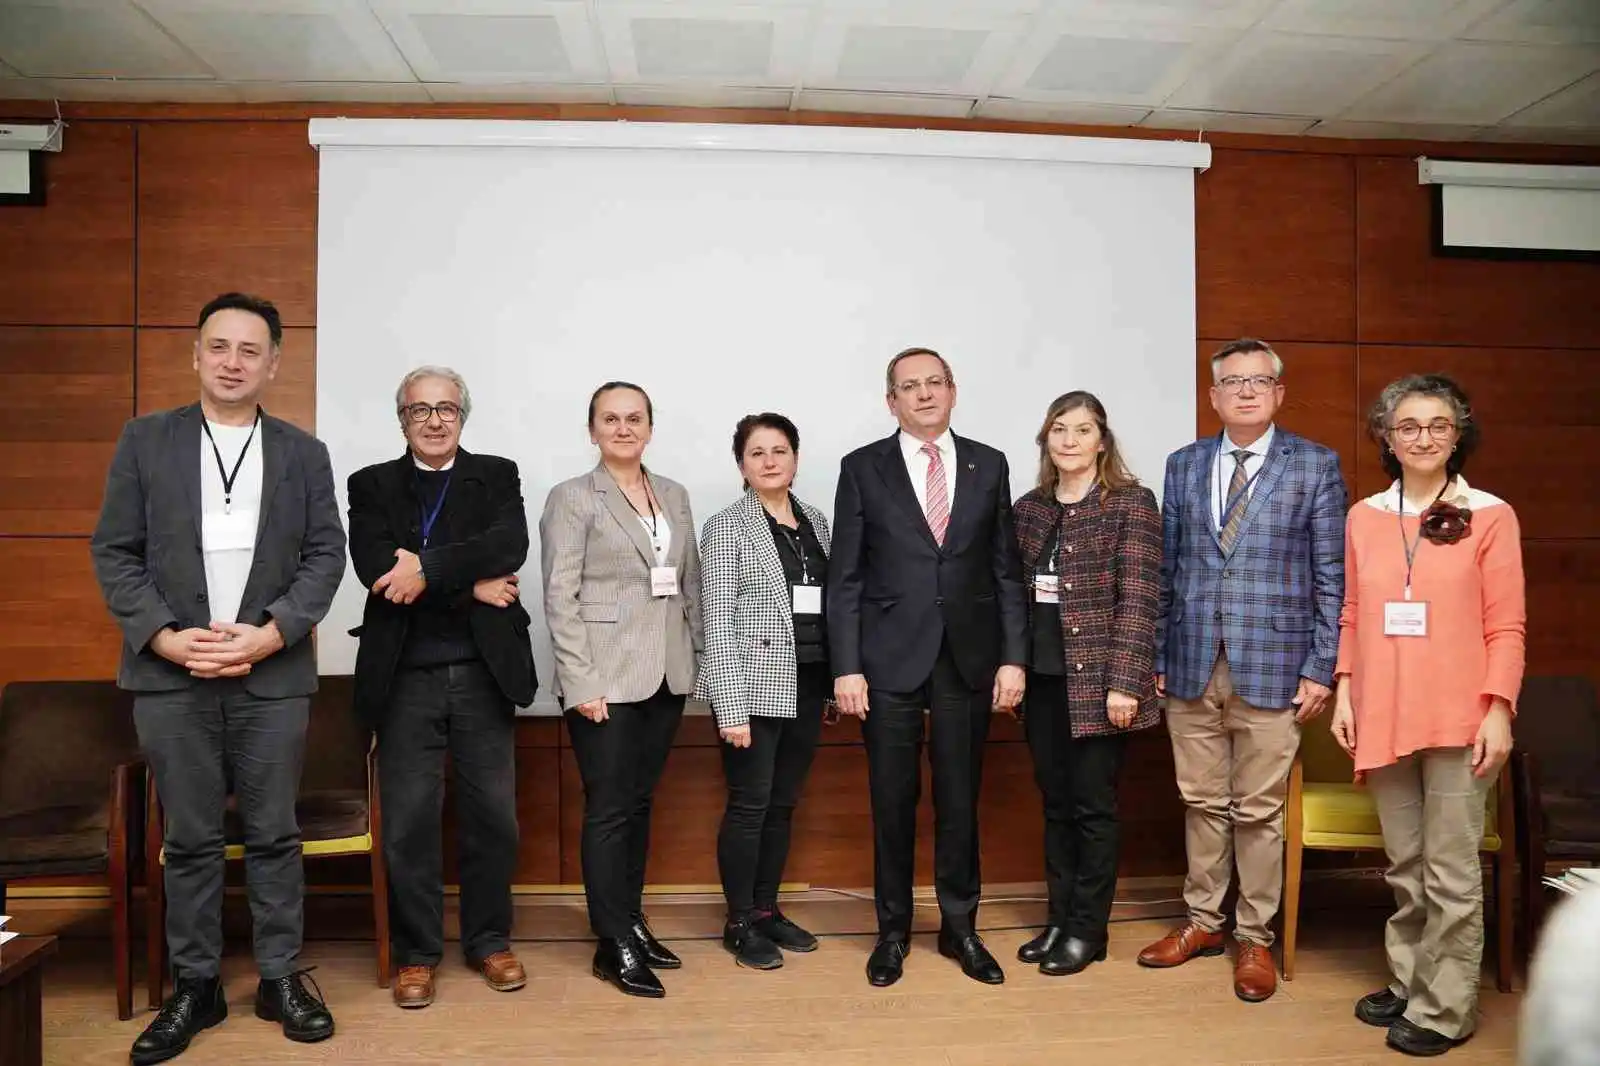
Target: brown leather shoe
<point x="413" y="987"/>
<point x="1255" y="975"/>
<point x="503" y="972"/>
<point x="1179" y="946"/>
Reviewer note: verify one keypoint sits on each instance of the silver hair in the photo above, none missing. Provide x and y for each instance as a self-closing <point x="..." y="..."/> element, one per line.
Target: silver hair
<point x="1380" y="417"/>
<point x="422" y="373"/>
<point x="1245" y="346"/>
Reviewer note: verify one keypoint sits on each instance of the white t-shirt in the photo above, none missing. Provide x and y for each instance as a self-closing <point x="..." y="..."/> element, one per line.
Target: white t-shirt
<point x="228" y="533"/>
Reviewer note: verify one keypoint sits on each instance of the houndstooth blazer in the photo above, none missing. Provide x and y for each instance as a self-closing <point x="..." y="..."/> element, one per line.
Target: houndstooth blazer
<point x="749" y="664"/>
<point x="611" y="637"/>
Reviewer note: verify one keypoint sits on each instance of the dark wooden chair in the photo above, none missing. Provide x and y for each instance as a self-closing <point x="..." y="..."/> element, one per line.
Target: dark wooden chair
<point x="338" y="811"/>
<point x="1556" y="779"/>
<point x="70" y="777"/>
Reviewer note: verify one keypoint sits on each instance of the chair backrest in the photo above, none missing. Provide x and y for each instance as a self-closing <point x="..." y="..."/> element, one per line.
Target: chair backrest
<point x="336" y="740"/>
<point x="1324" y="761"/>
<point x="60" y="740"/>
<point x="1558" y="723"/>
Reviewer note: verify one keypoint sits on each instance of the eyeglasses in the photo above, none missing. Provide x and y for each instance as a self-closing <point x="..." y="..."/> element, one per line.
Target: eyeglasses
<point x="914" y="386"/>
<point x="1257" y="382"/>
<point x="1410" y="432"/>
<point x="421" y="412"/>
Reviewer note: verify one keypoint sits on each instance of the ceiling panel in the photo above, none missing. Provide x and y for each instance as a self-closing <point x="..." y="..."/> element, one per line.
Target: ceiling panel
<point x="284" y="40"/>
<point x="1223" y="14"/>
<point x="399" y="92"/>
<point x="1574" y="107"/>
<point x="1475" y="84"/>
<point x="494" y="40"/>
<point x="1071" y="114"/>
<point x="702" y="96"/>
<point x="1290" y="74"/>
<point x="1543" y="22"/>
<point x="1226" y="122"/>
<point x="109" y="39"/>
<point x="131" y="90"/>
<point x="916" y="48"/>
<point x="1404" y="20"/>
<point x="887" y="103"/>
<point x="516" y="93"/>
<point x="1393" y="130"/>
<point x="1109" y="63"/>
<point x="740" y="45"/>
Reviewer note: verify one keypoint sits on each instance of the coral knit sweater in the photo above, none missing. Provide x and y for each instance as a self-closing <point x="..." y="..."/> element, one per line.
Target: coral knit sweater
<point x="1412" y="693"/>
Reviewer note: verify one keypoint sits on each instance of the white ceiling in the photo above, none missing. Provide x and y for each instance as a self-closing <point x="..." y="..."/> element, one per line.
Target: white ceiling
<point x="1520" y="70"/>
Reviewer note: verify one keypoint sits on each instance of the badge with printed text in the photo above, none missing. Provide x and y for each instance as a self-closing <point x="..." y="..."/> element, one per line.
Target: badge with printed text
<point x="807" y="599"/>
<point x="663" y="581"/>
<point x="1047" y="588"/>
<point x="1405" y="618"/>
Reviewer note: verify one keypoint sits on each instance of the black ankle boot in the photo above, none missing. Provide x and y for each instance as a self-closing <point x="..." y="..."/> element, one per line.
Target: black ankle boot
<point x="749" y="946"/>
<point x="622" y="963"/>
<point x="305" y="1018"/>
<point x="657" y="954"/>
<point x="196" y="1004"/>
<point x="1036" y="949"/>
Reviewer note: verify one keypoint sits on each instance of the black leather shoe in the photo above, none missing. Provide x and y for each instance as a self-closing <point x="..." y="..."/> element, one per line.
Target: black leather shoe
<point x="749" y="946"/>
<point x="1071" y="955"/>
<point x="1036" y="949"/>
<point x="975" y="960"/>
<point x="656" y="954"/>
<point x="195" y="1006"/>
<point x="1382" y="1008"/>
<point x="781" y="931"/>
<point x="286" y="1000"/>
<point x="622" y="962"/>
<point x="1415" y="1040"/>
<point x="887" y="962"/>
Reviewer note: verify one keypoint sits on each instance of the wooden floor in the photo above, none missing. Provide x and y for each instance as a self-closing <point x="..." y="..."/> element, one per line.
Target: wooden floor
<point x="816" y="1011"/>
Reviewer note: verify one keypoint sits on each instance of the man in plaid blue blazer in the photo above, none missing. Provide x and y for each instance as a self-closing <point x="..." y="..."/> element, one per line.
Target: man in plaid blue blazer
<point x="1252" y="581"/>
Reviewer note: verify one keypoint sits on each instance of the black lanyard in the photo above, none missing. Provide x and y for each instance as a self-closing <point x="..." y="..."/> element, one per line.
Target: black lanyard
<point x="430" y="517"/>
<point x="222" y="471"/>
<point x="1415" y="542"/>
<point x="651" y="499"/>
<point x="1054" y="550"/>
<point x="797" y="542"/>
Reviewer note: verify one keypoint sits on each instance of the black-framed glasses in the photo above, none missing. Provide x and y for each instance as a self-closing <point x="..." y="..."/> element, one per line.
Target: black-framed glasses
<point x="1257" y="382"/>
<point x="1410" y="432"/>
<point x="421" y="412"/>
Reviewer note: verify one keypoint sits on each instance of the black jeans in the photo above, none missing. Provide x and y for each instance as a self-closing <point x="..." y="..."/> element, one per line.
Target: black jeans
<point x="620" y="760"/>
<point x="764" y="784"/>
<point x="199" y="740"/>
<point x="460" y="710"/>
<point x="1077" y="776"/>
<point x="958" y="726"/>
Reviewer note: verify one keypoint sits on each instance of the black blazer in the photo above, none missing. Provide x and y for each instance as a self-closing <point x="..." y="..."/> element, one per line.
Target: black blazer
<point x="492" y="540"/>
<point x="894" y="594"/>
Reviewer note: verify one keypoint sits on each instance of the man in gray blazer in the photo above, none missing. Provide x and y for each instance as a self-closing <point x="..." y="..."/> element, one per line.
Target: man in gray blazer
<point x="218" y="549"/>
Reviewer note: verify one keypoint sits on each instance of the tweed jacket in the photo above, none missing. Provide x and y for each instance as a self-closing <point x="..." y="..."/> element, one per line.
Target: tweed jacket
<point x="611" y="637"/>
<point x="749" y="666"/>
<point x="1109" y="562"/>
<point x="1274" y="600"/>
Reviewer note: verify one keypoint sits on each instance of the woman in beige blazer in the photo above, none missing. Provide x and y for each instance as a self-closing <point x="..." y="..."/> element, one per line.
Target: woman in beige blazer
<point x="622" y="600"/>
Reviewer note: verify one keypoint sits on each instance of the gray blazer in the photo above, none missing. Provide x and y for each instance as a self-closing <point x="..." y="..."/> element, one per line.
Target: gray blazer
<point x="147" y="553"/>
<point x="611" y="637"/>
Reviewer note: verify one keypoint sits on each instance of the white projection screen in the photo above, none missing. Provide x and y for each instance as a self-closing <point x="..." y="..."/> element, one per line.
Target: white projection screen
<point x="734" y="269"/>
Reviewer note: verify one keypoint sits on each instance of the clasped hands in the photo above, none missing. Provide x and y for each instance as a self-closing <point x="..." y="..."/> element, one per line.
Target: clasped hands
<point x="224" y="649"/>
<point x="405" y="581"/>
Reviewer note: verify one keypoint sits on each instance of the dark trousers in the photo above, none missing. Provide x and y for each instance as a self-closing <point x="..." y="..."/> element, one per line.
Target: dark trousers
<point x="202" y="742"/>
<point x="460" y="710"/>
<point x="620" y="760"/>
<point x="764" y="784"/>
<point x="958" y="726"/>
<point x="1077" y="776"/>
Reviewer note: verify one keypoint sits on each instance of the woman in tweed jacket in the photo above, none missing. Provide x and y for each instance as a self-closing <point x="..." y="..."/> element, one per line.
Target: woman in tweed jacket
<point x="1090" y="540"/>
<point x="766" y="676"/>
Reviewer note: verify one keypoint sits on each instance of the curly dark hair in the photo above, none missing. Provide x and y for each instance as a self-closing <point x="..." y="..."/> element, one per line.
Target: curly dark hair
<point x="1380" y="418"/>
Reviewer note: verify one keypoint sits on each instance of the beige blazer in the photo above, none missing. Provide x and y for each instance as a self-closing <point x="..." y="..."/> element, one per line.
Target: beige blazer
<point x="611" y="637"/>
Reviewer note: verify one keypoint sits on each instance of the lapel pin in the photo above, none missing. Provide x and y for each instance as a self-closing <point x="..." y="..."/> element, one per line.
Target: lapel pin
<point x="972" y="466"/>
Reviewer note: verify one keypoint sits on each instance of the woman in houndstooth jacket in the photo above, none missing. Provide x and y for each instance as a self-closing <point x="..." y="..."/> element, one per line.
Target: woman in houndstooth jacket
<point x="766" y="676"/>
<point x="1090" y="540"/>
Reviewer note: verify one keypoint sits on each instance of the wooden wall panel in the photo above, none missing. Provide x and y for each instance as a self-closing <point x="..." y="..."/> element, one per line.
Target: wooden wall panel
<point x="1410" y="296"/>
<point x="55" y="625"/>
<point x="71" y="262"/>
<point x="166" y="375"/>
<point x="1563" y="606"/>
<point x="226" y="206"/>
<point x="1273" y="253"/>
<point x="65" y="394"/>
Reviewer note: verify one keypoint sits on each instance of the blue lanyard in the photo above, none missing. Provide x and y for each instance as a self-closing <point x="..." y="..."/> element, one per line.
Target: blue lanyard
<point x="429" y="518"/>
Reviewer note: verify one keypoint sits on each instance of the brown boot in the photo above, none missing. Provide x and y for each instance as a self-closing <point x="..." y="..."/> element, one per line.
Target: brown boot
<point x="413" y="987"/>
<point x="503" y="972"/>
<point x="1255" y="975"/>
<point x="1181" y="945"/>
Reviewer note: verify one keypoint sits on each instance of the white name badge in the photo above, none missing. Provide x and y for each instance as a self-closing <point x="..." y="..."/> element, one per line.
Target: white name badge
<point x="228" y="532"/>
<point x="663" y="581"/>
<point x="1405" y="618"/>
<point x="807" y="599"/>
<point x="1047" y="588"/>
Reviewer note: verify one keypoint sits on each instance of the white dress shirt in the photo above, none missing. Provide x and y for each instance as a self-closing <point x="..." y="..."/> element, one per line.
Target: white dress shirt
<point x="917" y="466"/>
<point x="228" y="534"/>
<point x="1222" y="470"/>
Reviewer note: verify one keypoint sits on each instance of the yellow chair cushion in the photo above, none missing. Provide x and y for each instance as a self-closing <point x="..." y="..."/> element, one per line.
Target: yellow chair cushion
<point x="1344" y="817"/>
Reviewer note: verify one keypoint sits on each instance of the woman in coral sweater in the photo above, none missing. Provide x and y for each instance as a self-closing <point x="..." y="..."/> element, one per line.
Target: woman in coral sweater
<point x="1430" y="663"/>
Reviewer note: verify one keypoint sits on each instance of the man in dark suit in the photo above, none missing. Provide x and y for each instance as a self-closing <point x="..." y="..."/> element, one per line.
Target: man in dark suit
<point x="437" y="536"/>
<point x="218" y="549"/>
<point x="926" y="610"/>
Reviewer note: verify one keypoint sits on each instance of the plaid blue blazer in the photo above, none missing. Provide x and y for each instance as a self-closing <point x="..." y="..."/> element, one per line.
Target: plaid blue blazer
<point x="1274" y="601"/>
